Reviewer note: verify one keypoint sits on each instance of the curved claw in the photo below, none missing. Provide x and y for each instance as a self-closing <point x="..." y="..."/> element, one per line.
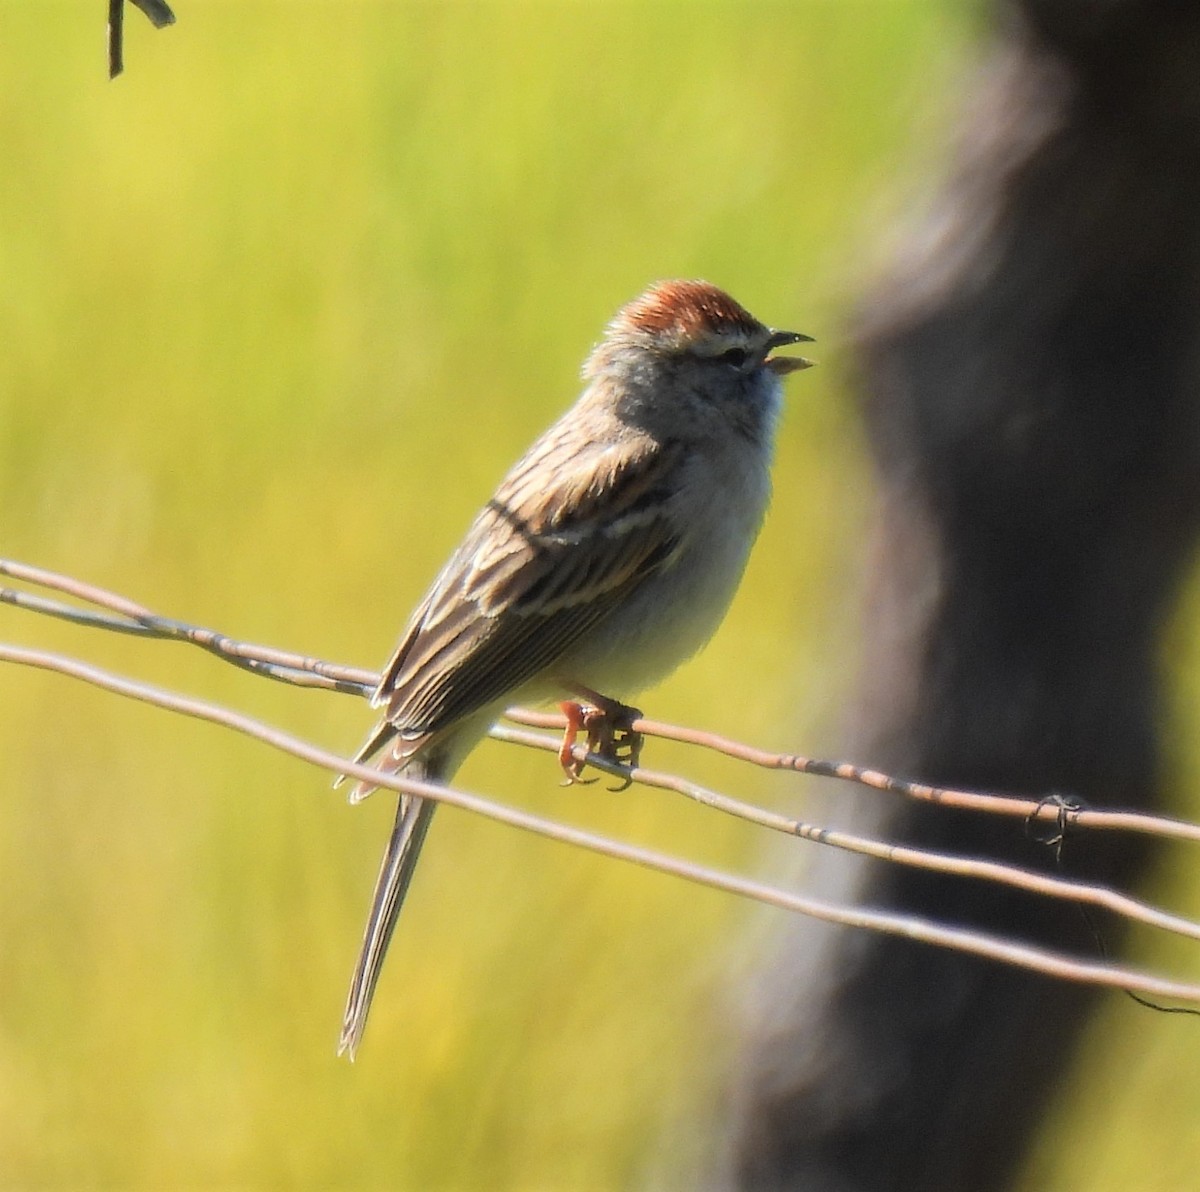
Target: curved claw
<point x="575" y="780"/>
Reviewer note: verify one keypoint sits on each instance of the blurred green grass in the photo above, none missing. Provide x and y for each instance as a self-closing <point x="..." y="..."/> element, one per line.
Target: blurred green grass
<point x="278" y="308"/>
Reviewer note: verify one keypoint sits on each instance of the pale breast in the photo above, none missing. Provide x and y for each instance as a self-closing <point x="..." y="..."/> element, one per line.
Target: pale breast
<point x="676" y="611"/>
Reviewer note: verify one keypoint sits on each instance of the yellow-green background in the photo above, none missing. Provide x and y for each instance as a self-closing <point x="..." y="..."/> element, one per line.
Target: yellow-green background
<point x="277" y="309"/>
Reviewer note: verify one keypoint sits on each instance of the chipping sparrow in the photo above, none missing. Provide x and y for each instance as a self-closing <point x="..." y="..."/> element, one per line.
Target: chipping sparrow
<point x="607" y="556"/>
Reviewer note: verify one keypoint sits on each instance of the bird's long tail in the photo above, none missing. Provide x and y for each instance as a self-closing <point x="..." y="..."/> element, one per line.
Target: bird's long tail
<point x="413" y="816"/>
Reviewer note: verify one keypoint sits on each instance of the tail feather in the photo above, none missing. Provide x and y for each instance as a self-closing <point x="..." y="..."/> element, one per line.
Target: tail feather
<point x="403" y="747"/>
<point x="404" y="846"/>
<point x="378" y="737"/>
<point x="429" y="758"/>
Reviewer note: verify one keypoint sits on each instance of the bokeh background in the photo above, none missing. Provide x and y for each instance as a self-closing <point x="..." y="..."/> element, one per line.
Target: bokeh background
<point x="277" y="309"/>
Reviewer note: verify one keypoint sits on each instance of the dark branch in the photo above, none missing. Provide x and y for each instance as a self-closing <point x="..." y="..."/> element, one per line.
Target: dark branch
<point x="160" y="16"/>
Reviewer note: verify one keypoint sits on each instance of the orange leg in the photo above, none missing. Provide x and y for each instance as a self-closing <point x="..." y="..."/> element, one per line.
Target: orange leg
<point x="577" y="716"/>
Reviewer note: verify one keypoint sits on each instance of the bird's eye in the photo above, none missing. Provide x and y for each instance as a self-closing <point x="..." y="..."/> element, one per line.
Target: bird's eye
<point x="734" y="356"/>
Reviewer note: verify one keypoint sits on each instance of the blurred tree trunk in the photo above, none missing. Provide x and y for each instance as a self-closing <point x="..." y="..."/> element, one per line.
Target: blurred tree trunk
<point x="1029" y="377"/>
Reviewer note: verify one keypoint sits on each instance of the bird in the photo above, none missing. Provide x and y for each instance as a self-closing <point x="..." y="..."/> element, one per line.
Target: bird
<point x="608" y="555"/>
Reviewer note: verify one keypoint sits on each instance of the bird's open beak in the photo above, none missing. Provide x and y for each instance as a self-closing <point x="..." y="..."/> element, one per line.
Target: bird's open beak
<point x="782" y="365"/>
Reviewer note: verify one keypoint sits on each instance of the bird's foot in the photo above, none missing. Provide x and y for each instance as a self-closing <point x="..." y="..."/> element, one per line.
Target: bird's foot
<point x="610" y="735"/>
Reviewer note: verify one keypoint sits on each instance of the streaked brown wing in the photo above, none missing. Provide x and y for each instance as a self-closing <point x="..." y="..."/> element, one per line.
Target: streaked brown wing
<point x="573" y="529"/>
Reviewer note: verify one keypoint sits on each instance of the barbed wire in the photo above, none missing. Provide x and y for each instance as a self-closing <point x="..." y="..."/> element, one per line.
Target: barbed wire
<point x="125" y="616"/>
<point x="1031" y="881"/>
<point x="305" y="671"/>
<point x="1052" y="810"/>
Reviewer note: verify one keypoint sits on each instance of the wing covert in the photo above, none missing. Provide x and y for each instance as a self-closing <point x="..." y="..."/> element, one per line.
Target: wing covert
<point x="573" y="529"/>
